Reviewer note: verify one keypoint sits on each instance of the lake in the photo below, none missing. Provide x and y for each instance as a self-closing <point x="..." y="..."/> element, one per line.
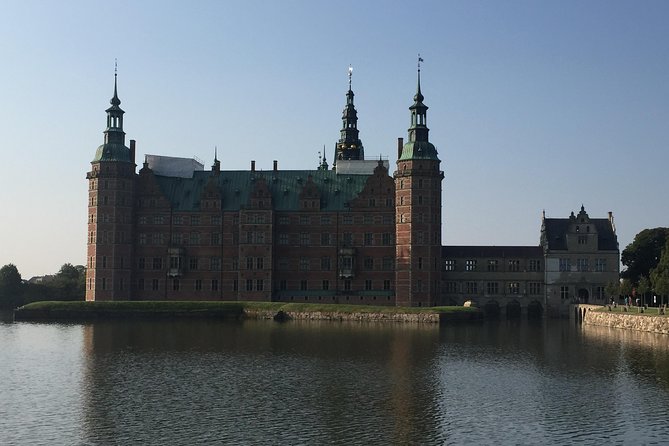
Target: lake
<point x="262" y="382"/>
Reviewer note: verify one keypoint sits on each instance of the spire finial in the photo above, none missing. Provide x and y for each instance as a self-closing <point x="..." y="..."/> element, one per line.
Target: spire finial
<point x="215" y="153"/>
<point x="115" y="100"/>
<point x="350" y="75"/>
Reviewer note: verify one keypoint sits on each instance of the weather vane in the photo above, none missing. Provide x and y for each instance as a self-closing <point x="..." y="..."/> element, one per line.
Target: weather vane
<point x="350" y="74"/>
<point x="420" y="59"/>
<point x="115" y="67"/>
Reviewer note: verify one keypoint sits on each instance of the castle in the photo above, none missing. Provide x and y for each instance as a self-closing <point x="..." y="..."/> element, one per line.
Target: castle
<point x="347" y="234"/>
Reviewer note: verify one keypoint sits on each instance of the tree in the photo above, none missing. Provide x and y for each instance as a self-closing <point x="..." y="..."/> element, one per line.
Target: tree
<point x="643" y="288"/>
<point x="69" y="282"/>
<point x="10" y="286"/>
<point x="626" y="287"/>
<point x="643" y="254"/>
<point x="613" y="289"/>
<point x="659" y="276"/>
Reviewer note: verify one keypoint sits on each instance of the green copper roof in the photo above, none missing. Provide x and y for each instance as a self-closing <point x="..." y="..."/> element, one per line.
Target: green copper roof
<point x="284" y="185"/>
<point x="112" y="152"/>
<point x="419" y="150"/>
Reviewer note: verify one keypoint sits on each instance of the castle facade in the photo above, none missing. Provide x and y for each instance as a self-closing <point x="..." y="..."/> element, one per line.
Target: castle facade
<point x="353" y="233"/>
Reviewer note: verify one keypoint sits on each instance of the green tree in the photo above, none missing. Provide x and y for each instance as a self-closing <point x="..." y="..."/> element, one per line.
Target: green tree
<point x="643" y="254"/>
<point x="10" y="286"/>
<point x="613" y="289"/>
<point x="659" y="276"/>
<point x="69" y="282"/>
<point x="643" y="288"/>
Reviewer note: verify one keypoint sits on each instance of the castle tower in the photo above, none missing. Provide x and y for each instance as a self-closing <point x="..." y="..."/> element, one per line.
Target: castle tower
<point x="111" y="184"/>
<point x="349" y="146"/>
<point x="418" y="213"/>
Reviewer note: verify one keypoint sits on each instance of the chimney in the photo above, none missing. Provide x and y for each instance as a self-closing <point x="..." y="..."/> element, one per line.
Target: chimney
<point x="611" y="221"/>
<point x="253" y="166"/>
<point x="400" y="145"/>
<point x="132" y="151"/>
<point x="276" y="165"/>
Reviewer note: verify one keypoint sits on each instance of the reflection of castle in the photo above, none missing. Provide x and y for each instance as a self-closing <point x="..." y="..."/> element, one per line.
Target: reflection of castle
<point x="350" y="234"/>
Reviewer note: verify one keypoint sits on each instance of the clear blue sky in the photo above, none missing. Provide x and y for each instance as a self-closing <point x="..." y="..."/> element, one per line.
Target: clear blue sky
<point x="533" y="105"/>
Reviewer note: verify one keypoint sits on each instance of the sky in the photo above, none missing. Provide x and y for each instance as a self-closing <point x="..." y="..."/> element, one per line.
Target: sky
<point x="533" y="105"/>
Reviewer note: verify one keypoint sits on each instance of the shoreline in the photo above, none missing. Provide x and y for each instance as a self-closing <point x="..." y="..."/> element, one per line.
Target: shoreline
<point x="278" y="311"/>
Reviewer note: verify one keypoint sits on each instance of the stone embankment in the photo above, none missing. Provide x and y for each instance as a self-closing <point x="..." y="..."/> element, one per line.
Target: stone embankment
<point x="431" y="318"/>
<point x="628" y="321"/>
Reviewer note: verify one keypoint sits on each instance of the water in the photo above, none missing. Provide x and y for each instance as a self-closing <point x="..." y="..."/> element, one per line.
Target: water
<point x="260" y="382"/>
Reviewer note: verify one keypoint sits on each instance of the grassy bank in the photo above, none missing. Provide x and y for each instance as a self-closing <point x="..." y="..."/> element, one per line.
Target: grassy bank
<point x="96" y="310"/>
<point x="650" y="311"/>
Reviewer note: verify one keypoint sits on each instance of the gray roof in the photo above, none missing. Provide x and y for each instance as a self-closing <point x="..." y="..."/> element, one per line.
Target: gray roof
<point x="453" y="252"/>
<point x="336" y="191"/>
<point x="555" y="233"/>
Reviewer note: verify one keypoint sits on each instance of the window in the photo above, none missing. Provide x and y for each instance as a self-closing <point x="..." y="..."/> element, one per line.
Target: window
<point x="215" y="238"/>
<point x="177" y="238"/>
<point x="449" y="265"/>
<point x="304" y="264"/>
<point x="600" y="293"/>
<point x="535" y="288"/>
<point x="303" y="285"/>
<point x="600" y="265"/>
<point x="260" y="263"/>
<point x="249" y="284"/>
<point x="304" y="238"/>
<point x="194" y="220"/>
<point x="368" y="285"/>
<point x="368" y="219"/>
<point x="369" y="239"/>
<point x="305" y="220"/>
<point x="582" y="239"/>
<point x="492" y="265"/>
<point x="492" y="288"/>
<point x="348" y="238"/>
<point x="260" y="285"/>
<point x="198" y="285"/>
<point x="142" y="263"/>
<point x="420" y="263"/>
<point x="387" y="264"/>
<point x="514" y="265"/>
<point x="514" y="288"/>
<point x="470" y="265"/>
<point x="535" y="265"/>
<point x="471" y="287"/>
<point x="283" y="264"/>
<point x="175" y="285"/>
<point x="140" y="284"/>
<point x="372" y="202"/>
<point x="386" y="285"/>
<point x="235" y="285"/>
<point x="282" y="284"/>
<point x="142" y="238"/>
<point x="325" y="263"/>
<point x="565" y="264"/>
<point x="283" y="238"/>
<point x="582" y="265"/>
<point x="326" y="220"/>
<point x="249" y="263"/>
<point x="216" y="220"/>
<point x="214" y="285"/>
<point x="177" y="220"/>
<point x="193" y="264"/>
<point x="215" y="263"/>
<point x="284" y="220"/>
<point x="451" y="287"/>
<point x="564" y="292"/>
<point x="104" y="261"/>
<point x="387" y="239"/>
<point x="347" y="219"/>
<point x="325" y="285"/>
<point x="368" y="263"/>
<point x="347" y="285"/>
<point x="154" y="284"/>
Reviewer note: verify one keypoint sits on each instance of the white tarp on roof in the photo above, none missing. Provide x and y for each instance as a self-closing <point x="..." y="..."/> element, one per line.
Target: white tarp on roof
<point x="358" y="167"/>
<point x="170" y="166"/>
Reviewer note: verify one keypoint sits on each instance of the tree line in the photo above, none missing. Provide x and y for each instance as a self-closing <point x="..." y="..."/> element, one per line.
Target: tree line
<point x="69" y="283"/>
<point x="646" y="262"/>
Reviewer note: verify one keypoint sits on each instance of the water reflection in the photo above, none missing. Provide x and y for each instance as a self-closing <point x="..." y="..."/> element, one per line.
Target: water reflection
<point x="197" y="382"/>
<point x="259" y="382"/>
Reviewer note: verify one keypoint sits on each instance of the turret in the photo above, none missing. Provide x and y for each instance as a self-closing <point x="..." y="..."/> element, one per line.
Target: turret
<point x="349" y="146"/>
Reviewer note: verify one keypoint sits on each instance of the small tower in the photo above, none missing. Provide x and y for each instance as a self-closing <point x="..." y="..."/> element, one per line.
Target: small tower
<point x="111" y="184"/>
<point x="349" y="146"/>
<point x="418" y="213"/>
